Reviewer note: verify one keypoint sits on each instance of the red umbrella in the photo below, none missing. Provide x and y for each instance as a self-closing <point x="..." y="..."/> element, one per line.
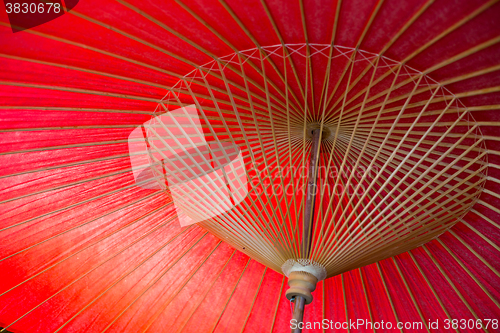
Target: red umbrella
<point x="85" y="248"/>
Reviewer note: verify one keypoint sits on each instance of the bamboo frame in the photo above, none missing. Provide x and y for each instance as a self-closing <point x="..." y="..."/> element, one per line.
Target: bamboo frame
<point x="432" y="159"/>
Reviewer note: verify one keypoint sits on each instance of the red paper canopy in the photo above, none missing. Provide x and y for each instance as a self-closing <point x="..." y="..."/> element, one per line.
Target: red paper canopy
<point x="85" y="249"/>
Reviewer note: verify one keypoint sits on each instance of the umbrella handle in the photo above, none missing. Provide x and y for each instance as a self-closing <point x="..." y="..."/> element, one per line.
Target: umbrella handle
<point x="298" y="313"/>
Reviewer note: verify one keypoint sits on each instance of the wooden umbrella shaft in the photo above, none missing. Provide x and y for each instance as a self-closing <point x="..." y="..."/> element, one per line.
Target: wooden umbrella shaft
<point x="298" y="313"/>
<point x="311" y="194"/>
<point x="299" y="301"/>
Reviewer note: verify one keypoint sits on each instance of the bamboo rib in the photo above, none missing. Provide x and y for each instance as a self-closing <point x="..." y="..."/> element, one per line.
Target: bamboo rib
<point x="366" y="297"/>
<point x="475" y="253"/>
<point x="177" y="292"/>
<point x="97" y="266"/>
<point x="388" y="294"/>
<point x="443" y="273"/>
<point x="73" y="205"/>
<point x="431" y="288"/>
<point x="496" y="247"/>
<point x="253" y="301"/>
<point x="85" y="70"/>
<point x="171" y="54"/>
<point x="415" y="304"/>
<point x="248" y="207"/>
<point x="394" y="198"/>
<point x="80" y="91"/>
<point x="480" y="285"/>
<point x="80" y="182"/>
<point x="161" y="24"/>
<point x="443" y="34"/>
<point x="255" y="42"/>
<point x="66" y="165"/>
<point x="345" y="301"/>
<point x="122" y="277"/>
<point x="453" y="216"/>
<point x="277" y="304"/>
<point x="277" y="32"/>
<point x="165" y="304"/>
<point x="206" y="293"/>
<point x="170" y="73"/>
<point x="231" y="294"/>
<point x="404" y="178"/>
<point x="55" y="108"/>
<point x="94" y="243"/>
<point x="148" y="197"/>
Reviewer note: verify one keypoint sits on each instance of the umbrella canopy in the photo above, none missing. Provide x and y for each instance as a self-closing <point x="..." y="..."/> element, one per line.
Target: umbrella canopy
<point x="84" y="247"/>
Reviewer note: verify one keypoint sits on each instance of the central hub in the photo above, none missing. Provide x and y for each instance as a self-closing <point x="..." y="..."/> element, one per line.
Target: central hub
<point x="301" y="284"/>
<point x="326" y="132"/>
